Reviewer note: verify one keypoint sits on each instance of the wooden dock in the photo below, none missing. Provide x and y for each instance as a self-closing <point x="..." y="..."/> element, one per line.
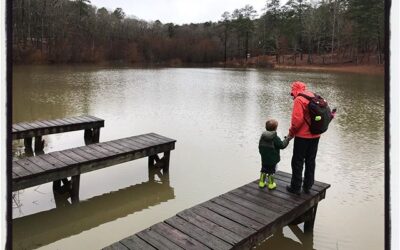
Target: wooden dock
<point x="56" y="167"/>
<point x="36" y="129"/>
<point x="238" y="219"/>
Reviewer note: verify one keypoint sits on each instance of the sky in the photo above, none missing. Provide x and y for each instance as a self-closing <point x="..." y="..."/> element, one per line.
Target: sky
<point x="178" y="11"/>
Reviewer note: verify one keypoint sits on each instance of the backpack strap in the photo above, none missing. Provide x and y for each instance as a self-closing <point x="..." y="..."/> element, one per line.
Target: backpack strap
<point x="305" y="96"/>
<point x="309" y="98"/>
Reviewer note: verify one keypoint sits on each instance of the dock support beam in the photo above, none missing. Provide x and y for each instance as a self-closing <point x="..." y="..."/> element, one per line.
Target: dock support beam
<point x="75" y="181"/>
<point x="28" y="146"/>
<point x="309" y="223"/>
<point x="39" y="144"/>
<point x="154" y="160"/>
<point x="92" y="136"/>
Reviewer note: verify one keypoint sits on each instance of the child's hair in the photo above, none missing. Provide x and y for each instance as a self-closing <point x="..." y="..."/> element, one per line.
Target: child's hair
<point x="271" y="125"/>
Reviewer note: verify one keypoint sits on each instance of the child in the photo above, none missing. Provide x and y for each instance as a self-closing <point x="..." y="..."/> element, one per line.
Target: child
<point x="269" y="148"/>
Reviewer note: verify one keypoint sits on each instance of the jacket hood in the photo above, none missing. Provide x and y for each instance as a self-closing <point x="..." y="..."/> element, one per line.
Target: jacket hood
<point x="269" y="135"/>
<point x="297" y="87"/>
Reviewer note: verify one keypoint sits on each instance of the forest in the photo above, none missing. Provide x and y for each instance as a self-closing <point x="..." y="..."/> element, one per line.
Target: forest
<point x="323" y="32"/>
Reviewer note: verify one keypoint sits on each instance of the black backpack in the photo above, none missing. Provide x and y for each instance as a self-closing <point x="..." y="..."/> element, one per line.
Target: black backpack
<point x="320" y="113"/>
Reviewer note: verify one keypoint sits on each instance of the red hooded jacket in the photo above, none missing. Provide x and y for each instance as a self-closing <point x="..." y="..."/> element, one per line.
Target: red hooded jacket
<point x="298" y="126"/>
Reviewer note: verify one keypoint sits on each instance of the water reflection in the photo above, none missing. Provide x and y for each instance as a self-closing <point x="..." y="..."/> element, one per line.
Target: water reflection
<point x="279" y="241"/>
<point x="70" y="219"/>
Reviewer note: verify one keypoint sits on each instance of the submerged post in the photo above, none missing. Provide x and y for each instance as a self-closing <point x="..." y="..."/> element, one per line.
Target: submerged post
<point x="75" y="180"/>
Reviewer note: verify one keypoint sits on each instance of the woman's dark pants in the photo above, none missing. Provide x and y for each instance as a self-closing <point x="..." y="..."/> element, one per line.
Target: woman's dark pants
<point x="304" y="150"/>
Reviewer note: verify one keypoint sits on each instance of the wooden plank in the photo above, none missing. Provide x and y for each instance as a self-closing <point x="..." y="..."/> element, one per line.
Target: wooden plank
<point x="161" y="137"/>
<point x="61" y="157"/>
<point x="95" y="153"/>
<point x="34" y="125"/>
<point x="156" y="240"/>
<point x="284" y="195"/>
<point x="53" y="161"/>
<point x="289" y="176"/>
<point x="101" y="149"/>
<point x="33" y="168"/>
<point x="105" y="146"/>
<point x="85" y="119"/>
<point x="18" y="127"/>
<point x="69" y="153"/>
<point x="116" y="145"/>
<point x="25" y="126"/>
<point x="14" y="174"/>
<point x="80" y="152"/>
<point x="197" y="233"/>
<point x="178" y="237"/>
<point x="223" y="222"/>
<point x="59" y="122"/>
<point x="135" y="141"/>
<point x="94" y="118"/>
<point x="134" y="242"/>
<point x="232" y="215"/>
<point x="226" y="235"/>
<point x="19" y="170"/>
<point x="43" y="125"/>
<point x="116" y="246"/>
<point x="42" y="163"/>
<point x="49" y="123"/>
<point x="261" y="198"/>
<point x="131" y="146"/>
<point x="252" y="211"/>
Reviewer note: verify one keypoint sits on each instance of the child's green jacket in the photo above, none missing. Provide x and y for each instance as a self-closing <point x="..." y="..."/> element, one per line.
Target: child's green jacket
<point x="269" y="147"/>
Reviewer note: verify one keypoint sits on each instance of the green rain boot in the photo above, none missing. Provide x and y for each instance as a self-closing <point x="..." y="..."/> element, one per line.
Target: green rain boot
<point x="271" y="182"/>
<point x="261" y="184"/>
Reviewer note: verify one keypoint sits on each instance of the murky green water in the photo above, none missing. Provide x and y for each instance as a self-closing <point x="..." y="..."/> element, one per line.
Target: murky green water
<point x="216" y="116"/>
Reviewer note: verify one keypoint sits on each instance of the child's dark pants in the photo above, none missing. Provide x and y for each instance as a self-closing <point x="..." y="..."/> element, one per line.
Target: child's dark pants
<point x="268" y="169"/>
<point x="304" y="150"/>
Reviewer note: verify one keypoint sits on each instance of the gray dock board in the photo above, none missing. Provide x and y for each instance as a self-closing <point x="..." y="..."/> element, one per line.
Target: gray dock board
<point x="24" y="130"/>
<point x="197" y="233"/>
<point x="134" y="242"/>
<point x="177" y="237"/>
<point x="240" y="218"/>
<point x="70" y="162"/>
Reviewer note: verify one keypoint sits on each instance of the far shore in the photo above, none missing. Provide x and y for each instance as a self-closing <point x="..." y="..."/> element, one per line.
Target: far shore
<point x="367" y="69"/>
<point x="360" y="69"/>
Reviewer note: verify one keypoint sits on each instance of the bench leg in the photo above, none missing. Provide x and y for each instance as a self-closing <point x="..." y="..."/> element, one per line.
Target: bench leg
<point x="166" y="161"/>
<point x="75" y="180"/>
<point x="28" y="145"/>
<point x="309" y="224"/>
<point x="39" y="145"/>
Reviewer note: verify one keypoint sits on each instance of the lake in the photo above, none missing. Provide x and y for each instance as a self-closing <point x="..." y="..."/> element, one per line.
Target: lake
<point x="216" y="115"/>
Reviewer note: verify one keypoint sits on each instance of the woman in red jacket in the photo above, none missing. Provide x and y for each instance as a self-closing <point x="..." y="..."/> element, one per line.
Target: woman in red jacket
<point x="305" y="145"/>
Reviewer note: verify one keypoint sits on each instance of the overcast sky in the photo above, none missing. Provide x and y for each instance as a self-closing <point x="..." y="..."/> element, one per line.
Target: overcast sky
<point x="178" y="11"/>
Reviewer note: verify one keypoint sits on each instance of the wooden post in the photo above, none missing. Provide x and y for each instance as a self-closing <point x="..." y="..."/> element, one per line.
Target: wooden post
<point x="39" y="144"/>
<point x="56" y="185"/>
<point x="151" y="161"/>
<point x="75" y="188"/>
<point x="166" y="161"/>
<point x="28" y="145"/>
<point x="309" y="224"/>
<point x="96" y="135"/>
<point x="88" y="136"/>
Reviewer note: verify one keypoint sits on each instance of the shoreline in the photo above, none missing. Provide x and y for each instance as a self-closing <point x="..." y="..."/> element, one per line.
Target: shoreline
<point x="365" y="69"/>
<point x="358" y="69"/>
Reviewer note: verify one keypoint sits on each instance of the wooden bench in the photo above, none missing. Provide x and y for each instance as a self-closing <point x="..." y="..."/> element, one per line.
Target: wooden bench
<point x="239" y="219"/>
<point x="56" y="167"/>
<point x="36" y="129"/>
